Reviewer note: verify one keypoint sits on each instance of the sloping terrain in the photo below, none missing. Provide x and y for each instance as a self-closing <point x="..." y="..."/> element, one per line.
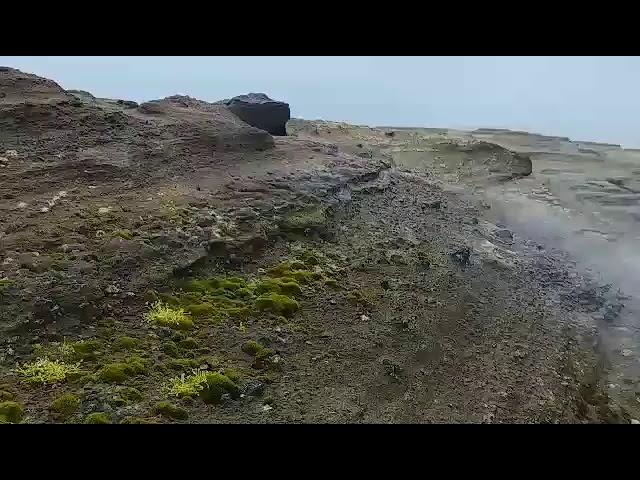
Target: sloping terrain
<point x="169" y="262"/>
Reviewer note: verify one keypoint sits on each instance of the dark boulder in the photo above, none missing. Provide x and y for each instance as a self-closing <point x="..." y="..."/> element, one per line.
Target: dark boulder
<point x="261" y="112"/>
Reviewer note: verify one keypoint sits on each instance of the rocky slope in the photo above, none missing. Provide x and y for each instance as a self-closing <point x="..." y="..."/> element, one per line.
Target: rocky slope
<point x="169" y="262"/>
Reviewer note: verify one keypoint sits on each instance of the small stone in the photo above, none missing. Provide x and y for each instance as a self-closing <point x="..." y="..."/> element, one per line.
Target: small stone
<point x="332" y="301"/>
<point x="254" y="389"/>
<point x="635" y="422"/>
<point x="11" y="153"/>
<point x="364" y="318"/>
<point x="104" y="210"/>
<point x="627" y="353"/>
<point x="112" y="289"/>
<point x="266" y="408"/>
<point x="308" y="342"/>
<point x="22" y="205"/>
<point x="4" y="160"/>
<point x="504" y="234"/>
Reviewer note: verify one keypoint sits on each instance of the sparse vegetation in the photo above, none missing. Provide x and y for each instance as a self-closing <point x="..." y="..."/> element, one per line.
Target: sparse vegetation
<point x="260" y="353"/>
<point x="45" y="371"/>
<point x="188" y="386"/>
<point x="166" y="316"/>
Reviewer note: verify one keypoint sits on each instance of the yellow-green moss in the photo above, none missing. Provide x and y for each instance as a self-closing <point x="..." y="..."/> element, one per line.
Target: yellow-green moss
<point x="232" y="283"/>
<point x="244" y="293"/>
<point x="309" y="258"/>
<point x="124" y="396"/>
<point x="215" y="386"/>
<point x="259" y="353"/>
<point x="276" y="303"/>
<point x="168" y="299"/>
<point x="277" y="285"/>
<point x="97" y="417"/>
<point x="188" y="343"/>
<point x="312" y="217"/>
<point x="360" y="297"/>
<point x="66" y="405"/>
<point x="86" y="348"/>
<point x="182" y="363"/>
<point x="202" y="285"/>
<point x="137" y="364"/>
<point x="188" y="385"/>
<point x="170" y="348"/>
<point x="166" y="316"/>
<point x="5" y="395"/>
<point x="47" y="371"/>
<point x="11" y="412"/>
<point x="200" y="309"/>
<point x="331" y="282"/>
<point x="135" y="420"/>
<point x="125" y="234"/>
<point x="171" y="411"/>
<point x="126" y="343"/>
<point x="232" y="374"/>
<point x="120" y="371"/>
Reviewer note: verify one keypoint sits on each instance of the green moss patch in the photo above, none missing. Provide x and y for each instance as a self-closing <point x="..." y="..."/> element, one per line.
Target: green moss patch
<point x="215" y="386"/>
<point x="124" y="396"/>
<point x="97" y="417"/>
<point x="278" y="304"/>
<point x="126" y="343"/>
<point x="66" y="405"/>
<point x="121" y="371"/>
<point x="11" y="412"/>
<point x="260" y="353"/>
<point x="170" y="411"/>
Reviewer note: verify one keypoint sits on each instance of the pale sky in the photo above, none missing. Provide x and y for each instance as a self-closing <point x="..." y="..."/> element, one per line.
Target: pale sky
<point x="584" y="98"/>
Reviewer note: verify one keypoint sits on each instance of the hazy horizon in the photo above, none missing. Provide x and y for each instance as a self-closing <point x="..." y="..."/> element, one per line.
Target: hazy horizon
<point x="584" y="98"/>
